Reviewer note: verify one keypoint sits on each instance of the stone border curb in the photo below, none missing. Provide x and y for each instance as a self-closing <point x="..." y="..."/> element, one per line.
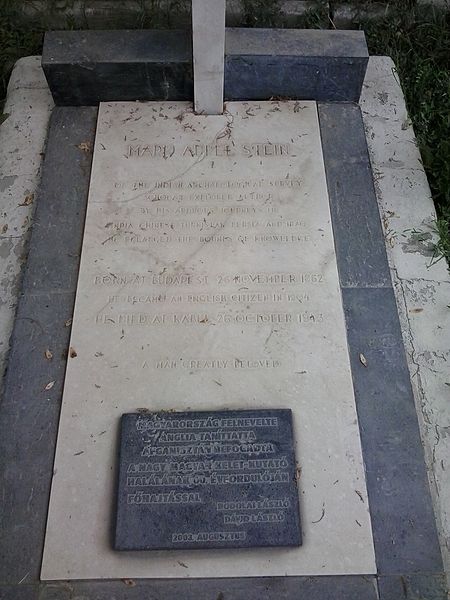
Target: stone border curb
<point x="422" y="288"/>
<point x="94" y="15"/>
<point x="22" y="141"/>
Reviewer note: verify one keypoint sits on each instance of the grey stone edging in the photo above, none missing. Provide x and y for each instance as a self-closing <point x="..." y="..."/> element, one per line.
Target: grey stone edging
<point x="29" y="413"/>
<point x="402" y="515"/>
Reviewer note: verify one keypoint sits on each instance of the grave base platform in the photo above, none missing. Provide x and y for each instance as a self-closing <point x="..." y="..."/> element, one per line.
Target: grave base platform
<point x="406" y="546"/>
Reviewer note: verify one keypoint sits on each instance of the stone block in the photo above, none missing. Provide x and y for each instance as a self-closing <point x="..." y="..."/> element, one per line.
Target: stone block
<point x="87" y="67"/>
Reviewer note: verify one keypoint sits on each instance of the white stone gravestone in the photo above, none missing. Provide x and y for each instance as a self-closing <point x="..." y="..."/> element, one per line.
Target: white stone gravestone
<point x="208" y="281"/>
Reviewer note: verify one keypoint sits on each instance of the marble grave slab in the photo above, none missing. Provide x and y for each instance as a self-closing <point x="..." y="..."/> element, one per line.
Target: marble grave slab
<point x="208" y="281"/>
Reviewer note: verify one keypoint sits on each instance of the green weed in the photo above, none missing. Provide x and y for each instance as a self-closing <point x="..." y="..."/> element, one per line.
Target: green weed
<point x="261" y="13"/>
<point x="315" y="18"/>
<point x="15" y="42"/>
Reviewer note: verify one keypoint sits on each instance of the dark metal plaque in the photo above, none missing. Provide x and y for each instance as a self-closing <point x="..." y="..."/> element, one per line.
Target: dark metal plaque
<point x="219" y="479"/>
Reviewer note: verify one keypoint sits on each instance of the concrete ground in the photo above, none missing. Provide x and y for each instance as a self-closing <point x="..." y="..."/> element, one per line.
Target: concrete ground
<point x="422" y="286"/>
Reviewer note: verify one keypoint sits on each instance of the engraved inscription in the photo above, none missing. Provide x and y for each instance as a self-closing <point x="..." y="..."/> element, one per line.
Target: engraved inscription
<point x="237" y="467"/>
<point x="163" y="217"/>
<point x="249" y="150"/>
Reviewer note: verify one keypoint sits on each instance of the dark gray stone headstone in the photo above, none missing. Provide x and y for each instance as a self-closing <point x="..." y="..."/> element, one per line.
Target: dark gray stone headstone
<point x="219" y="479"/>
<point x="88" y="67"/>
